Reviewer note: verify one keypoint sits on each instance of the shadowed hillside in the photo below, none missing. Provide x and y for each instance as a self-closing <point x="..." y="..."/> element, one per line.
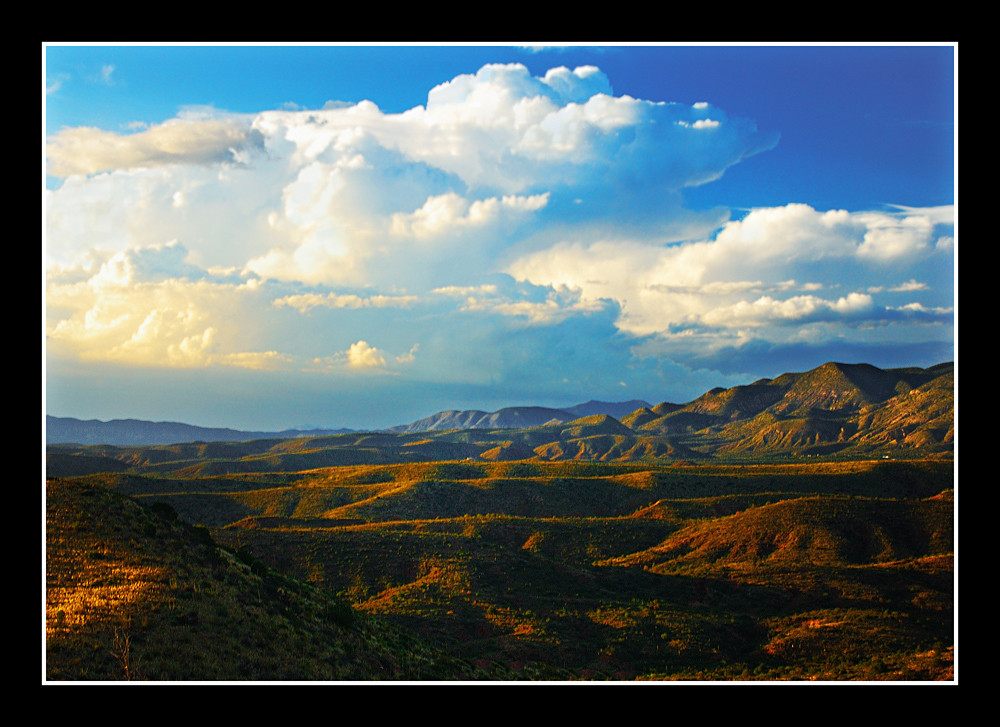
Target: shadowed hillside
<point x="132" y="593"/>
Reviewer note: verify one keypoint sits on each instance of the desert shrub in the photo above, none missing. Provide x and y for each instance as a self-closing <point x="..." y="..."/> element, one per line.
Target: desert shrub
<point x="522" y="469"/>
<point x="164" y="510"/>
<point x="456" y="471"/>
<point x="246" y="557"/>
<point x="339" y="612"/>
<point x="202" y="535"/>
<point x="375" y="477"/>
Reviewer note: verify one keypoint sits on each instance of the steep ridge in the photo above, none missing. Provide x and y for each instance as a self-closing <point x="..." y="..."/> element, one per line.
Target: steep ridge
<point x="834" y="406"/>
<point x="739" y="402"/>
<point x="837" y="386"/>
<point x="592" y="426"/>
<point x="920" y="417"/>
<point x="681" y="421"/>
<point x="635" y="419"/>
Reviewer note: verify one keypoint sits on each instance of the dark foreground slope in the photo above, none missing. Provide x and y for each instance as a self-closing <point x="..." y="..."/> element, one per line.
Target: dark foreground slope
<point x="594" y="571"/>
<point x="134" y="594"/>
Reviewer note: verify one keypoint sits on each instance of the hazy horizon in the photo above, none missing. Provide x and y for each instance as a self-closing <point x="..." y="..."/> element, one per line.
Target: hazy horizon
<point x="264" y="237"/>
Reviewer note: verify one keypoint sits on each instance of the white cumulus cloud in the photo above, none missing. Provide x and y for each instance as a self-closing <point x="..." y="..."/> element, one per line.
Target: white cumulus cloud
<point x="443" y="213"/>
<point x="84" y="150"/>
<point x="361" y="355"/>
<point x="506" y="206"/>
<point x="336" y="196"/>
<point x="744" y="276"/>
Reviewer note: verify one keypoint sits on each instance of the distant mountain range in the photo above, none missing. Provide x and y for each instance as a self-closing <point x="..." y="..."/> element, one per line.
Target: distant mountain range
<point x="517" y="417"/>
<point x="134" y="432"/>
<point x="126" y="432"/>
<point x="837" y="409"/>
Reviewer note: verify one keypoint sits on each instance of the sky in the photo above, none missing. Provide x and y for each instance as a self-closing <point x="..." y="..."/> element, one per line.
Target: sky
<point x="271" y="237"/>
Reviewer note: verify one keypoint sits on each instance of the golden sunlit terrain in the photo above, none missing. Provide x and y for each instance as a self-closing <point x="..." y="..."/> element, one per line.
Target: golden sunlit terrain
<point x="524" y="570"/>
<point x="493" y="554"/>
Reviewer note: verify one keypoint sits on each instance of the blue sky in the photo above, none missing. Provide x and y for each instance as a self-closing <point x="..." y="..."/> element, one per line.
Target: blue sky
<point x="266" y="237"/>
